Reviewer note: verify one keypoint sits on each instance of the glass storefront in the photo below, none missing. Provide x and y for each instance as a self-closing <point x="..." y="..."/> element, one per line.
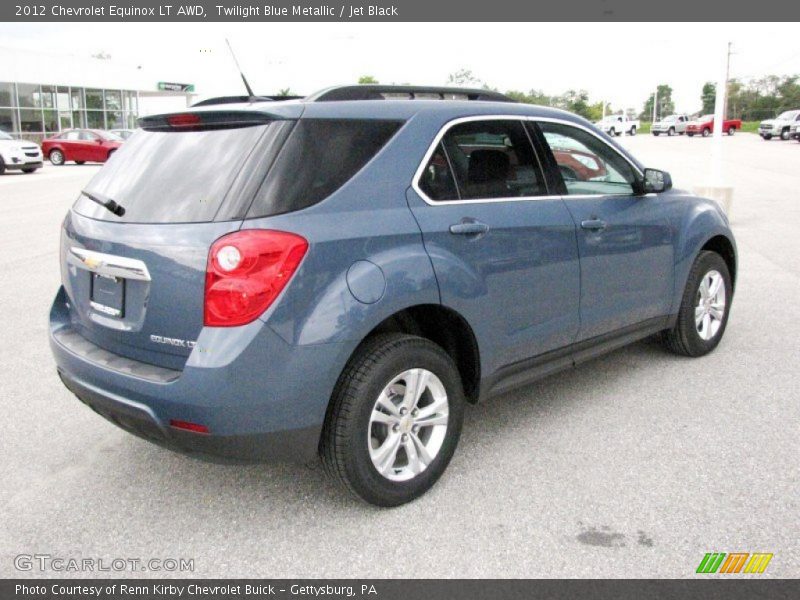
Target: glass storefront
<point x="33" y="111"/>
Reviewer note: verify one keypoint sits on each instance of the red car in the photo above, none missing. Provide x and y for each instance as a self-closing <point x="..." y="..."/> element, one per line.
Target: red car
<point x="705" y="126"/>
<point x="81" y="145"/>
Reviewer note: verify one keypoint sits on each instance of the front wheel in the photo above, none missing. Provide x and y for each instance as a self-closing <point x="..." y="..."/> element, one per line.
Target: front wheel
<point x="655" y="133"/>
<point x="785" y="134"/>
<point x="704" y="309"/>
<point x="671" y="131"/>
<point x="56" y="157"/>
<point x="767" y="137"/>
<point x="394" y="420"/>
<point x="632" y="131"/>
<point x="29" y="169"/>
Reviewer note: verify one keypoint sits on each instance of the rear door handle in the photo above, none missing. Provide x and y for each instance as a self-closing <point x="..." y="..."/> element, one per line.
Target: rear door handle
<point x="469" y="228"/>
<point x="594" y="224"/>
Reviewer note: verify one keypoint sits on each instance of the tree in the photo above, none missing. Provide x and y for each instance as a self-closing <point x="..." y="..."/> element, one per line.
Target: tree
<point x="287" y="91"/>
<point x="367" y="79"/>
<point x="666" y="106"/>
<point x="708" y="97"/>
<point x="463" y="77"/>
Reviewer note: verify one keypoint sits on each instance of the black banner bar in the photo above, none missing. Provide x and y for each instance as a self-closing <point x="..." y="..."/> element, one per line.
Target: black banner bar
<point x="395" y="589"/>
<point x="400" y="11"/>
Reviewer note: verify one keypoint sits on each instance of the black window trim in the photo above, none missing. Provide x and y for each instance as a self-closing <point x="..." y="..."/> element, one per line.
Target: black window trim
<point x="522" y="118"/>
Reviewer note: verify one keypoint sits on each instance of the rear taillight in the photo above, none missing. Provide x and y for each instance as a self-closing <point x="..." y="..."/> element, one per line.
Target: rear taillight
<point x="246" y="271"/>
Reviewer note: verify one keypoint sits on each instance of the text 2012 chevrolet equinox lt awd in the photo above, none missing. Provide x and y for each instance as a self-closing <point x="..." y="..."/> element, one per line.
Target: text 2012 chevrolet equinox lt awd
<point x="340" y="275"/>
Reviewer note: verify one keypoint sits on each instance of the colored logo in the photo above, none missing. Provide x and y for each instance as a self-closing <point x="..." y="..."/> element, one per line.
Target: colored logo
<point x="735" y="562"/>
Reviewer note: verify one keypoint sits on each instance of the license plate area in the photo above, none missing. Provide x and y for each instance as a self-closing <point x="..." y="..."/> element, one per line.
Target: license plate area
<point x="108" y="295"/>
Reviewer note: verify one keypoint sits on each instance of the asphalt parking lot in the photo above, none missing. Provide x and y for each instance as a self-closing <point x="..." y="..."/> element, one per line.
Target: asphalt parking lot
<point x="633" y="465"/>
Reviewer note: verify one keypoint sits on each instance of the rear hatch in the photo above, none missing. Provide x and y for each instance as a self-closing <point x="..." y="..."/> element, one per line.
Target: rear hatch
<point x="135" y="280"/>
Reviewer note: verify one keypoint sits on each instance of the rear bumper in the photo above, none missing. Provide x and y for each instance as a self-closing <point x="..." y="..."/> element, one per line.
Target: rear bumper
<point x="261" y="398"/>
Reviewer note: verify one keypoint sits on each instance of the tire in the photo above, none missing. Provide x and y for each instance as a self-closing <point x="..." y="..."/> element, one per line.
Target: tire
<point x="110" y="152"/>
<point x="685" y="338"/>
<point x="671" y="131"/>
<point x="612" y="132"/>
<point x="656" y="133"/>
<point x="29" y="170"/>
<point x="689" y="134"/>
<point x="350" y="442"/>
<point x="785" y="134"/>
<point x="706" y="132"/>
<point x="80" y="162"/>
<point x="767" y="137"/>
<point x="2" y="166"/>
<point x="632" y="131"/>
<point x="731" y="130"/>
<point x="56" y="157"/>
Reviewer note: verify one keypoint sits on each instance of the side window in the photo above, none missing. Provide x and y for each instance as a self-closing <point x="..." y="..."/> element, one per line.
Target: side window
<point x="88" y="137"/>
<point x="72" y="136"/>
<point x="587" y="164"/>
<point x="437" y="179"/>
<point x="493" y="159"/>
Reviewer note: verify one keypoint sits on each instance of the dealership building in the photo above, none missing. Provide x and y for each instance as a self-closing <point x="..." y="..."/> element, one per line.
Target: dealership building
<point x="42" y="94"/>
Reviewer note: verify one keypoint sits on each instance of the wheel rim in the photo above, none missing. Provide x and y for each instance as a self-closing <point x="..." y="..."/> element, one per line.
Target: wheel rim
<point x="709" y="310"/>
<point x="408" y="425"/>
<point x="56" y="157"/>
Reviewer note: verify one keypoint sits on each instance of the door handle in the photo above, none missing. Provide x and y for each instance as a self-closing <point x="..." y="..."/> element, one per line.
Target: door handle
<point x="594" y="224"/>
<point x="469" y="228"/>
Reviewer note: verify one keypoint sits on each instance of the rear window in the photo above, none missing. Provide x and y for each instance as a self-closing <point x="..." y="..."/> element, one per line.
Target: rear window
<point x="179" y="177"/>
<point x="319" y="157"/>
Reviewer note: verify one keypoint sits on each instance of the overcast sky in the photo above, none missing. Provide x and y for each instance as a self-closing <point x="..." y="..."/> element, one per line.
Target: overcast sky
<point x="619" y="62"/>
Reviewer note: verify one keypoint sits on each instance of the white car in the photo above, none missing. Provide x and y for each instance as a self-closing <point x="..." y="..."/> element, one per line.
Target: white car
<point x="618" y="124"/>
<point x="780" y="126"/>
<point x="795" y="133"/>
<point x="670" y="125"/>
<point x="18" y="155"/>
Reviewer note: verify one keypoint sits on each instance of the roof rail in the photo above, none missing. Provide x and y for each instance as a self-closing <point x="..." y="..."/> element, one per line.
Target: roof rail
<point x="379" y="92"/>
<point x="243" y="99"/>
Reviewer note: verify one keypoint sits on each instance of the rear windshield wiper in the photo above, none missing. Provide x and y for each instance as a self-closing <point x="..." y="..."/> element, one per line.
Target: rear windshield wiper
<point x="115" y="208"/>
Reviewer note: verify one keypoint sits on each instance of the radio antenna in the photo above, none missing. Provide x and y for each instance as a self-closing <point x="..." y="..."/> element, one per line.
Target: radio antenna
<point x="252" y="96"/>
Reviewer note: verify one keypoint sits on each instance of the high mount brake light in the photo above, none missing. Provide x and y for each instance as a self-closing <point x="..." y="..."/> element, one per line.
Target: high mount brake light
<point x="184" y="120"/>
<point x="246" y="271"/>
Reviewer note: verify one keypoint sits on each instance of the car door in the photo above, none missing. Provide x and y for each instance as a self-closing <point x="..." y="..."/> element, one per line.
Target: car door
<point x="503" y="250"/>
<point x="92" y="147"/>
<point x="70" y="143"/>
<point x="625" y="239"/>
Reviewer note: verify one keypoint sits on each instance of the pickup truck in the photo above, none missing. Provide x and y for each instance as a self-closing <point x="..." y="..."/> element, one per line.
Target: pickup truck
<point x="705" y="126"/>
<point x="779" y="126"/>
<point x="670" y="125"/>
<point x="618" y="124"/>
<point x="795" y="133"/>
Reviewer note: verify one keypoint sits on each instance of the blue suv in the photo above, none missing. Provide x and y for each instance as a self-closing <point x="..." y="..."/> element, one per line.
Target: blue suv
<point x="340" y="275"/>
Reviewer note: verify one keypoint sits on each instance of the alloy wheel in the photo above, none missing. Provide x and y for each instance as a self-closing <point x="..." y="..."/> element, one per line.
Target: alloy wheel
<point x="408" y="424"/>
<point x="709" y="308"/>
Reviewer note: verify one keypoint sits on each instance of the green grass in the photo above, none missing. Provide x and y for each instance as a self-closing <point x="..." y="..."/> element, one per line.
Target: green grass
<point x="750" y="126"/>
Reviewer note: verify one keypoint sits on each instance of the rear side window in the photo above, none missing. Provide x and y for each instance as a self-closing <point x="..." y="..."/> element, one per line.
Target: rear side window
<point x="319" y="157"/>
<point x="488" y="160"/>
<point x="177" y="176"/>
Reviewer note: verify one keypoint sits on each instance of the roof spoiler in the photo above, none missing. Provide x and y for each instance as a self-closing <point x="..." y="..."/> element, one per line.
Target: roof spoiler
<point x="379" y="92"/>
<point x="243" y="100"/>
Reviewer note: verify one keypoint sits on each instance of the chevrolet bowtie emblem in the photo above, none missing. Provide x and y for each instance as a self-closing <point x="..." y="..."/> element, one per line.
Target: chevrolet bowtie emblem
<point x="92" y="263"/>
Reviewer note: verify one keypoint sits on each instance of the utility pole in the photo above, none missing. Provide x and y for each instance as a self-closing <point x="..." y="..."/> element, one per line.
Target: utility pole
<point x="727" y="79"/>
<point x="655" y="104"/>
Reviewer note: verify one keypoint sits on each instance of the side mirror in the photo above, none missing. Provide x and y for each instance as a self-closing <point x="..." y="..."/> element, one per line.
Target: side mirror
<point x="656" y="181"/>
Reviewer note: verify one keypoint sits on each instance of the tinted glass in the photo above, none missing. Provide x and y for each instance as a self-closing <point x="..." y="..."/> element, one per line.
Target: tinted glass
<point x="174" y="177"/>
<point x="317" y="159"/>
<point x="493" y="159"/>
<point x="437" y="179"/>
<point x="587" y="164"/>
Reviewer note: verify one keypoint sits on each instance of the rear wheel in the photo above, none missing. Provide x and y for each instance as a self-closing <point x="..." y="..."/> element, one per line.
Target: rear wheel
<point x="80" y="162"/>
<point x="394" y="420"/>
<point x="704" y="309"/>
<point x="110" y="152"/>
<point x="731" y="130"/>
<point x="56" y="157"/>
<point x="690" y="134"/>
<point x="2" y="166"/>
<point x="706" y="132"/>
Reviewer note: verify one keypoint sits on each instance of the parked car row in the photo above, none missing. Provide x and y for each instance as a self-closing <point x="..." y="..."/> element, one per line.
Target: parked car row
<point x="77" y="145"/>
<point x="703" y="125"/>
<point x="616" y="125"/>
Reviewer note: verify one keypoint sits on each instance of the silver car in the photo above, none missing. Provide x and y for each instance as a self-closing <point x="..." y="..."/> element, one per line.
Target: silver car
<point x="670" y="125"/>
